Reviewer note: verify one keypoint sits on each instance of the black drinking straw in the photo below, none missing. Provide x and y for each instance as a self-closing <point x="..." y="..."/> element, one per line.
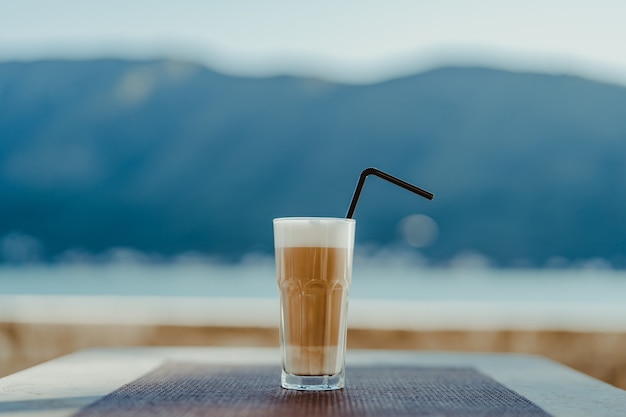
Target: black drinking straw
<point x="385" y="176"/>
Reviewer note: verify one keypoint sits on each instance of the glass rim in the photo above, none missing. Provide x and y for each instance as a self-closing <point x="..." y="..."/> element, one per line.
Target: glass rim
<point x="304" y="218"/>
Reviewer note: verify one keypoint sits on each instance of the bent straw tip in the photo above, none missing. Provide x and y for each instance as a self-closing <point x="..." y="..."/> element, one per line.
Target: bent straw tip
<point x="375" y="171"/>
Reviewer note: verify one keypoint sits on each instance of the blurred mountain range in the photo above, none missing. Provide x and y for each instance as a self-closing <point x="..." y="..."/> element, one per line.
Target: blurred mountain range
<point x="169" y="157"/>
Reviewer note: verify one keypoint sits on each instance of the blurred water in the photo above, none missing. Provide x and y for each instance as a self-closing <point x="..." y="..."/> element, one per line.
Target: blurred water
<point x="384" y="282"/>
<point x="393" y="296"/>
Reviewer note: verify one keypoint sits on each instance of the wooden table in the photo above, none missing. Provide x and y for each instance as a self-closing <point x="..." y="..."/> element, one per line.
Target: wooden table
<point x="66" y="385"/>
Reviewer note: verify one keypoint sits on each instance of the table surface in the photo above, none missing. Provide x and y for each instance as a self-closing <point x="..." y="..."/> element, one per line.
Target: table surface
<point x="63" y="386"/>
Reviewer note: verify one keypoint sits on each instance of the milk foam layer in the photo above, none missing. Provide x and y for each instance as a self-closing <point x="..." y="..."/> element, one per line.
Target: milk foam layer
<point x="313" y="231"/>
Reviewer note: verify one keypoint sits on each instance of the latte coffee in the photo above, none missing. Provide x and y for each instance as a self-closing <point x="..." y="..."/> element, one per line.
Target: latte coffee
<point x="314" y="284"/>
<point x="314" y="267"/>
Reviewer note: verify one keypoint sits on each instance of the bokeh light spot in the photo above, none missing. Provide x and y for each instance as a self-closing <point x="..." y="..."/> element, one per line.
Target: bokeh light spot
<point x="419" y="230"/>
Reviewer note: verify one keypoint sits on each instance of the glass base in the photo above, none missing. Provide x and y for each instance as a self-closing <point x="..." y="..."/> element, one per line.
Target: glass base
<point x="312" y="383"/>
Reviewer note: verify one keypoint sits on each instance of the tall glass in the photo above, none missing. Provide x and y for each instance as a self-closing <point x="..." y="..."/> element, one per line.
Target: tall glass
<point x="314" y="269"/>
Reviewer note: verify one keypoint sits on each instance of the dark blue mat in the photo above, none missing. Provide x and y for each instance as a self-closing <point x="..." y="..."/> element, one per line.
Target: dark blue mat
<point x="183" y="389"/>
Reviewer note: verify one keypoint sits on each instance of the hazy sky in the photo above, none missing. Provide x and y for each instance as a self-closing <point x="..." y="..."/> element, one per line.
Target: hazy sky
<point x="345" y="40"/>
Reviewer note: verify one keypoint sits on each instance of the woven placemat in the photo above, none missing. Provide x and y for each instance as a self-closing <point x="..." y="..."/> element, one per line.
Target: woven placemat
<point x="184" y="389"/>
